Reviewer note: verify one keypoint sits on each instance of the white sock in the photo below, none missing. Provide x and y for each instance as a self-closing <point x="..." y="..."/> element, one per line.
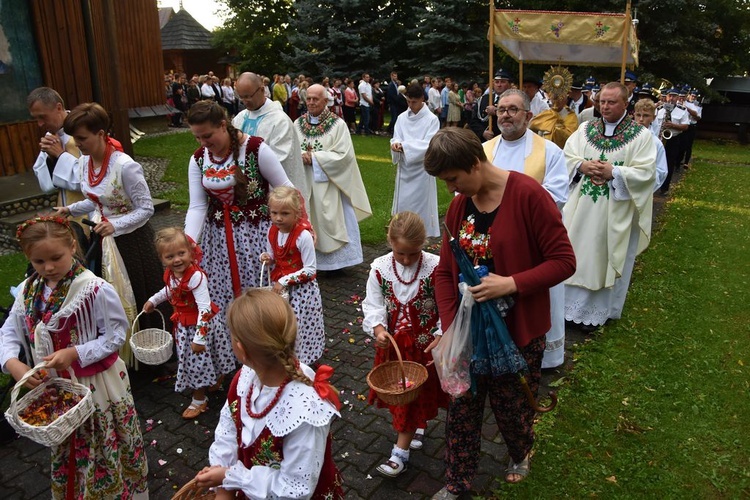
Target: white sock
<point x="195" y="402"/>
<point x="402" y="454"/>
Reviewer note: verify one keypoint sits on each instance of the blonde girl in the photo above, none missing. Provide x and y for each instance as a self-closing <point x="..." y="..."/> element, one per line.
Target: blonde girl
<point x="272" y="440"/>
<point x="198" y="348"/>
<point x="73" y="320"/>
<point x="401" y="301"/>
<point x="291" y="250"/>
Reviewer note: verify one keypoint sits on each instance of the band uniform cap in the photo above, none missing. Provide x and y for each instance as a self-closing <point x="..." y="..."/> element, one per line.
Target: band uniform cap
<point x="502" y="74"/>
<point x="577" y="85"/>
<point x="630" y="76"/>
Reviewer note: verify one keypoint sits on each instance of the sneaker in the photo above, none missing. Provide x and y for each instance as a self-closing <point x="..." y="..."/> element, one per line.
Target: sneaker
<point x="393" y="467"/>
<point x="444" y="494"/>
<point x="194" y="410"/>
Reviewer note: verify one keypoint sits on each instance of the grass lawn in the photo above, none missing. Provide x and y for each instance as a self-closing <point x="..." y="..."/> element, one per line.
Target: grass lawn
<point x="657" y="405"/>
<point x="373" y="157"/>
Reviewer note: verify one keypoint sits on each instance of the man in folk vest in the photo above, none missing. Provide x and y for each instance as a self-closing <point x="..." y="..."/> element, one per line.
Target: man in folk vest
<point x="519" y="149"/>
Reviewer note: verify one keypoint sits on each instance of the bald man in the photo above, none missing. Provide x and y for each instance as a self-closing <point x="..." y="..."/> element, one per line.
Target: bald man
<point x="265" y="118"/>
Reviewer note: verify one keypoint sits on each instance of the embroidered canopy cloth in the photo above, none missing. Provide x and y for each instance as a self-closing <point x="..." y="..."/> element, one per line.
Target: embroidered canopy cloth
<point x="577" y="38"/>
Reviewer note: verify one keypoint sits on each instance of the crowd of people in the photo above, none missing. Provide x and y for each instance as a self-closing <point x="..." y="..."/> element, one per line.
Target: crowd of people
<point x="554" y="193"/>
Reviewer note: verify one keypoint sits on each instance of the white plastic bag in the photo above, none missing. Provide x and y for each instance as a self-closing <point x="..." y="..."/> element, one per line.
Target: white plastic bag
<point x="453" y="354"/>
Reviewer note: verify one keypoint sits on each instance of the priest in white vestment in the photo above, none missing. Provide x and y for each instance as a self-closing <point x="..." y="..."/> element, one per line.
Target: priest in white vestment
<point x="265" y="118"/>
<point x="519" y="149"/>
<point x="612" y="163"/>
<point x="338" y="200"/>
<point x="416" y="190"/>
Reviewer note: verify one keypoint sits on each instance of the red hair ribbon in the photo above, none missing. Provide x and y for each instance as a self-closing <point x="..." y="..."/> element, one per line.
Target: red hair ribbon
<point x="324" y="388"/>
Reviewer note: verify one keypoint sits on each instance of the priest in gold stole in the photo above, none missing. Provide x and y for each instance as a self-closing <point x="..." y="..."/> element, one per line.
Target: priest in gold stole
<point x="519" y="149"/>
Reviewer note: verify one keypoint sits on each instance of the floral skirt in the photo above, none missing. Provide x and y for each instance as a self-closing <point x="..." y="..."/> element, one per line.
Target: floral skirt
<point x="249" y="242"/>
<point x="308" y="307"/>
<point x="197" y="370"/>
<point x="109" y="457"/>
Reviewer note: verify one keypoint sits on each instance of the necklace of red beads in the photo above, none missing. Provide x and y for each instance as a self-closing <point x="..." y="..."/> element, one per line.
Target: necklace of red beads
<point x="270" y="406"/>
<point x="96" y="178"/>
<point x="218" y="161"/>
<point x="416" y="273"/>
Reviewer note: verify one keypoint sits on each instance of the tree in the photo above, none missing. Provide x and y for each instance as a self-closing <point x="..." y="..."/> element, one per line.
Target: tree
<point x="255" y="33"/>
<point x="336" y="38"/>
<point x="450" y="39"/>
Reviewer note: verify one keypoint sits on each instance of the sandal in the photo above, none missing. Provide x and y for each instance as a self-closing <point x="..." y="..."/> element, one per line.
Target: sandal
<point x="520" y="469"/>
<point x="416" y="441"/>
<point x="194" y="410"/>
<point x="393" y="467"/>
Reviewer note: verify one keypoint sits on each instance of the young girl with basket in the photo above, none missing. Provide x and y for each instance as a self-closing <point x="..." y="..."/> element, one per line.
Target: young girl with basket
<point x="272" y="440"/>
<point x="199" y="351"/>
<point x="401" y="301"/>
<point x="73" y="320"/>
<point x="291" y="249"/>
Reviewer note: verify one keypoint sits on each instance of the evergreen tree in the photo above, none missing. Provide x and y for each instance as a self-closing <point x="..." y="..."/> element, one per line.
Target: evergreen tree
<point x="338" y="38"/>
<point x="450" y="39"/>
<point x="255" y="33"/>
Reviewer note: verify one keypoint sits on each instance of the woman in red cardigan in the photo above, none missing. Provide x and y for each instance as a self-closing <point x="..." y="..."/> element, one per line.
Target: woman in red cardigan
<point x="509" y="223"/>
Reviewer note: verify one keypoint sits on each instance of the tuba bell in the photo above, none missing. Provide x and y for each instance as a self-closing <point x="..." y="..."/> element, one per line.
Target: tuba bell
<point x="666" y="133"/>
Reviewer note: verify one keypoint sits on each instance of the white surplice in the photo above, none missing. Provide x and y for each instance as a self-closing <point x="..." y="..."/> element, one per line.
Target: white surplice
<point x="416" y="190"/>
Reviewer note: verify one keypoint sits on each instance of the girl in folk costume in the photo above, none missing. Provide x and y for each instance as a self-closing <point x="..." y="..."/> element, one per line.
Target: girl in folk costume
<point x="229" y="179"/>
<point x="272" y="440"/>
<point x="401" y="301"/>
<point x="73" y="320"/>
<point x="116" y="190"/>
<point x="291" y="248"/>
<point x="186" y="288"/>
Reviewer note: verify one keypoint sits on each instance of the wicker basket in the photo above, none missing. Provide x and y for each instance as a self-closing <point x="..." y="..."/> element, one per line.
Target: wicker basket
<point x="151" y="346"/>
<point x="191" y="491"/>
<point x="389" y="379"/>
<point x="59" y="430"/>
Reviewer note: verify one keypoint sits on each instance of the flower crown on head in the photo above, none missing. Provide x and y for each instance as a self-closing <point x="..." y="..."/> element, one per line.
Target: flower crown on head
<point x="42" y="218"/>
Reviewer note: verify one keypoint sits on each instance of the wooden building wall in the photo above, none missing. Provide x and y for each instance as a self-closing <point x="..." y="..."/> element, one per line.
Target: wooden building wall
<point x="66" y="66"/>
<point x="61" y="36"/>
<point x="19" y="147"/>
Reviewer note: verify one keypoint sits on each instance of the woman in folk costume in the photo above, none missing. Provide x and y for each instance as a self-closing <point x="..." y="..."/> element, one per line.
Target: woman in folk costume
<point x="401" y="301"/>
<point x="229" y="177"/>
<point x="73" y="320"/>
<point x="273" y="438"/>
<point x="117" y="193"/>
<point x="416" y="191"/>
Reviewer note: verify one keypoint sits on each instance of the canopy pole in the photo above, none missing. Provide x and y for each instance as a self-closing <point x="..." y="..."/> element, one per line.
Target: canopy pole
<point x="520" y="74"/>
<point x="625" y="35"/>
<point x="490" y="100"/>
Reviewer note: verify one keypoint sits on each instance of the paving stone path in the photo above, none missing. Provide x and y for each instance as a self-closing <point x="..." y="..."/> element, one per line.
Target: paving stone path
<point x="362" y="438"/>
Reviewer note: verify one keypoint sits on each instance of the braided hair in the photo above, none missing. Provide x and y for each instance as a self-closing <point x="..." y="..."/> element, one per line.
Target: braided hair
<point x="210" y="111"/>
<point x="265" y="324"/>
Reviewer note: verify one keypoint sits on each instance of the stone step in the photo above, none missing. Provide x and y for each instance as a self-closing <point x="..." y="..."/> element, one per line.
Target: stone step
<point x="10" y="222"/>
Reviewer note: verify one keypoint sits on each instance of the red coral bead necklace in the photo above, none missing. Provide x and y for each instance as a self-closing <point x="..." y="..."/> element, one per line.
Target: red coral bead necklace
<point x="416" y="273"/>
<point x="270" y="406"/>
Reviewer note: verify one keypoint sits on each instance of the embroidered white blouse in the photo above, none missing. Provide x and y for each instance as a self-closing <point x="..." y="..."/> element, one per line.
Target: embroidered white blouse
<point x="300" y="416"/>
<point x="123" y="193"/>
